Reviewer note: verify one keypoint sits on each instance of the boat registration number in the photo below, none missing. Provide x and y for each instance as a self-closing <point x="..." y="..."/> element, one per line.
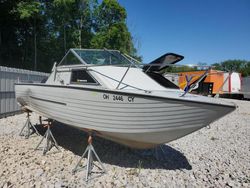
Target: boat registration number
<point x="118" y="98"/>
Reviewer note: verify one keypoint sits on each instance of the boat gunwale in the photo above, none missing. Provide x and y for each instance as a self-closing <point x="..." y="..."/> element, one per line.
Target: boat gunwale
<point x="126" y="93"/>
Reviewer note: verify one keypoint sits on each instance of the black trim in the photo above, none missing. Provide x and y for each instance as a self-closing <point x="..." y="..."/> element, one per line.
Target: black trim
<point x="48" y="100"/>
<point x="162" y="80"/>
<point x="127" y="94"/>
<point x="83" y="83"/>
<point x="159" y="61"/>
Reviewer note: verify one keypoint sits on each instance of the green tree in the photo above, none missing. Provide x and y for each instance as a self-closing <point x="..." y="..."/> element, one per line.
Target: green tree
<point x="241" y="66"/>
<point x="178" y="69"/>
<point x="110" y="28"/>
<point x="35" y="33"/>
<point x="30" y="11"/>
<point x="10" y="53"/>
<point x="109" y="12"/>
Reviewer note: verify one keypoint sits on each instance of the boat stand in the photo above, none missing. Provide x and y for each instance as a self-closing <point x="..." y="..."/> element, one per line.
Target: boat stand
<point x="50" y="140"/>
<point x="28" y="128"/>
<point x="90" y="164"/>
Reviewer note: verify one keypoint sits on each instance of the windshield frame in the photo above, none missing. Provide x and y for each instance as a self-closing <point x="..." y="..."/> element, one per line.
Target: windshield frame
<point x="98" y="57"/>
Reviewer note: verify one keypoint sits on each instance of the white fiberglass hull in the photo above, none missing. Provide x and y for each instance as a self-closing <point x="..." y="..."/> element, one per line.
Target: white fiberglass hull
<point x="134" y="119"/>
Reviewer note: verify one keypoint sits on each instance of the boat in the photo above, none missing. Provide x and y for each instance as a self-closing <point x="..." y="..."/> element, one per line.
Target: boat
<point x="111" y="95"/>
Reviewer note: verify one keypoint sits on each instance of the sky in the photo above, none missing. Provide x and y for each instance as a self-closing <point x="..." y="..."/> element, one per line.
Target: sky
<point x="203" y="31"/>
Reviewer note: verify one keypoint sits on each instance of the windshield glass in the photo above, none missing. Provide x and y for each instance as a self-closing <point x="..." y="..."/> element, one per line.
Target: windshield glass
<point x="102" y="57"/>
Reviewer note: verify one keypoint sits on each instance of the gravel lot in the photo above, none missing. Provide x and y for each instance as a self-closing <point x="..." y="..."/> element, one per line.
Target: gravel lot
<point x="218" y="156"/>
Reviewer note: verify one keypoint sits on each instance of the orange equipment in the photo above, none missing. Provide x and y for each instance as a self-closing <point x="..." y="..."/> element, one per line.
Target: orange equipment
<point x="213" y="82"/>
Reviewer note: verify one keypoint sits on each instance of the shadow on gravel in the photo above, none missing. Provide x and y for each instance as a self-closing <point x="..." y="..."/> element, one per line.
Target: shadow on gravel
<point x="75" y="140"/>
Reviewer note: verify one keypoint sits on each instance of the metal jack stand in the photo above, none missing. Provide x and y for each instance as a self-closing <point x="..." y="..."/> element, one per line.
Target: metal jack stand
<point x="50" y="141"/>
<point x="90" y="164"/>
<point x="28" y="129"/>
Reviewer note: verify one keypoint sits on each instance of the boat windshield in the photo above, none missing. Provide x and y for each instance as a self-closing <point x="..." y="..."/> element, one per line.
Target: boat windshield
<point x="97" y="57"/>
<point x="102" y="57"/>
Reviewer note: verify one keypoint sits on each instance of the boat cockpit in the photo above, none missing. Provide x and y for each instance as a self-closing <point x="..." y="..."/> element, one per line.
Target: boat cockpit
<point x="104" y="68"/>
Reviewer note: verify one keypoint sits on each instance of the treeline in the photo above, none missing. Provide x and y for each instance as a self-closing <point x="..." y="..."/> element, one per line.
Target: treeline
<point x="36" y="33"/>
<point x="241" y="66"/>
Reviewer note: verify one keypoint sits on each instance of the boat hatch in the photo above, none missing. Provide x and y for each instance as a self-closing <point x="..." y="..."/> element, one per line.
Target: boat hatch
<point x="94" y="57"/>
<point x="163" y="62"/>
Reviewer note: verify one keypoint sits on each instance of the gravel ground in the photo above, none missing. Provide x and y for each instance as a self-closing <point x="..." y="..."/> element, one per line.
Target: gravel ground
<point x="218" y="156"/>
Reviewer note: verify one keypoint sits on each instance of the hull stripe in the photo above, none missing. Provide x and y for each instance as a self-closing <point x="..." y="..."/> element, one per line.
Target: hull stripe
<point x="46" y="100"/>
